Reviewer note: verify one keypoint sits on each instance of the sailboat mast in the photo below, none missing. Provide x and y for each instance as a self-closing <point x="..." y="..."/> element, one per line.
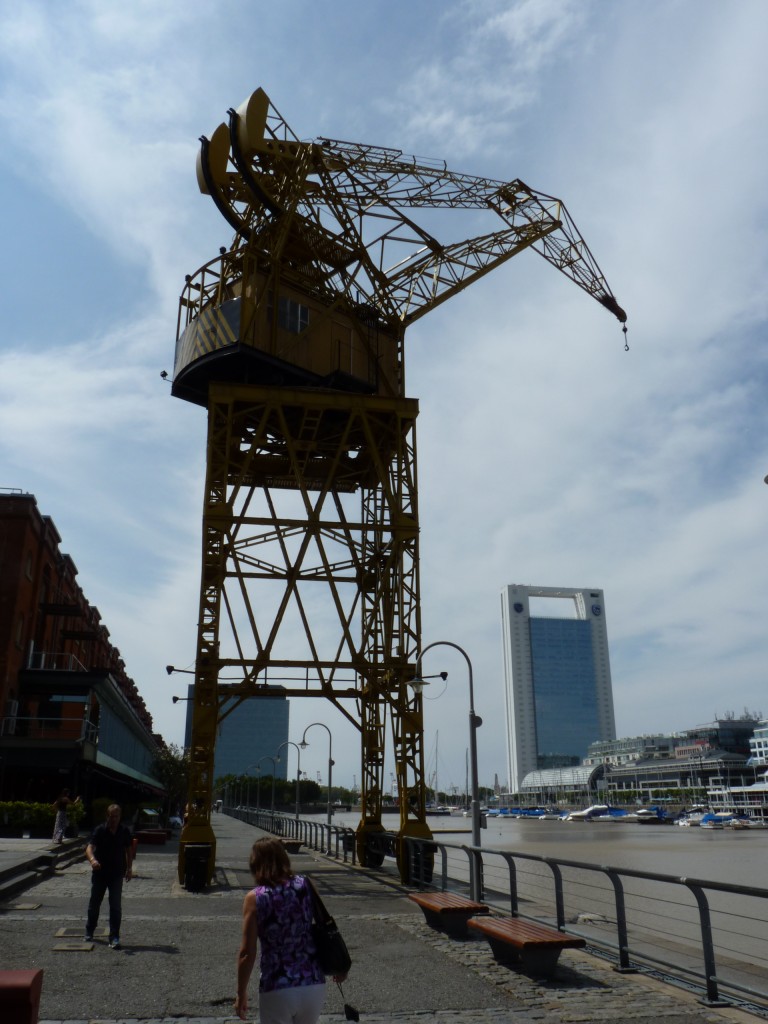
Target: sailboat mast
<point x="437" y="764"/>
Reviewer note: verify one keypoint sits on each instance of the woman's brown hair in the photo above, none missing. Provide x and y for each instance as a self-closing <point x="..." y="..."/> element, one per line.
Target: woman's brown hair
<point x="269" y="862"/>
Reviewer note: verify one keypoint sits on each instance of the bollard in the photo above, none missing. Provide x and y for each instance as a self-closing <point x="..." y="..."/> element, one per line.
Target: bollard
<point x="20" y="996"/>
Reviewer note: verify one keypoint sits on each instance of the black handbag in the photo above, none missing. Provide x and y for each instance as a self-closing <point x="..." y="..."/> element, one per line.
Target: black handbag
<point x="332" y="953"/>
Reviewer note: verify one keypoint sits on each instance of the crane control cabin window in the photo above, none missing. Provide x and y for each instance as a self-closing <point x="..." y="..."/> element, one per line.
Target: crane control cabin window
<point x="292" y="316"/>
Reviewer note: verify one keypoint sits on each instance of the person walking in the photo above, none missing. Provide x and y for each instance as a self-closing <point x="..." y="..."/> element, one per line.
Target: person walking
<point x="278" y="913"/>
<point x="110" y="853"/>
<point x="60" y="805"/>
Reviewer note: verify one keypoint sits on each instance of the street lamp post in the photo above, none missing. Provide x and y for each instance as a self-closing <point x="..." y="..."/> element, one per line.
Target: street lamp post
<point x="266" y="757"/>
<point x="331" y="762"/>
<point x="248" y="783"/>
<point x="298" y="768"/>
<point x="474" y="724"/>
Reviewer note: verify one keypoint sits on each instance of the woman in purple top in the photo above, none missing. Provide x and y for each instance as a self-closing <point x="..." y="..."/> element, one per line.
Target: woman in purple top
<point x="278" y="913"/>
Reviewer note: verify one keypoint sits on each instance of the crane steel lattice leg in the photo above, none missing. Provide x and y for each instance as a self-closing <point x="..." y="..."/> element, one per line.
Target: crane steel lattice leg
<point x="197" y="828"/>
<point x="345" y="465"/>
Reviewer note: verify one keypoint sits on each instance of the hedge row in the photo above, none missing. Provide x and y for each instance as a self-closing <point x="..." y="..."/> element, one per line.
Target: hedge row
<point x="20" y="812"/>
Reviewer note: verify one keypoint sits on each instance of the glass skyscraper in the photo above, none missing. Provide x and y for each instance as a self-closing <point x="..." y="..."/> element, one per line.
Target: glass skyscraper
<point x="255" y="728"/>
<point x="558" y="696"/>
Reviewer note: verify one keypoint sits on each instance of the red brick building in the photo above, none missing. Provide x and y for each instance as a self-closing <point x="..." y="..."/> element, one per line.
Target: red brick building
<point x="71" y="715"/>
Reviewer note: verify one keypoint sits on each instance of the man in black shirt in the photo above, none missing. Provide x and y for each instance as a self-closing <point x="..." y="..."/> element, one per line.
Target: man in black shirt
<point x="110" y="852"/>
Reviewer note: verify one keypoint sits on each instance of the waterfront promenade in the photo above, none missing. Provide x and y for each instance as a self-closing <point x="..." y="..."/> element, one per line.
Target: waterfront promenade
<point x="178" y="958"/>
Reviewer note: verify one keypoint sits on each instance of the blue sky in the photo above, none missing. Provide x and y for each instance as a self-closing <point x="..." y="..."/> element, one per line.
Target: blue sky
<point x="547" y="455"/>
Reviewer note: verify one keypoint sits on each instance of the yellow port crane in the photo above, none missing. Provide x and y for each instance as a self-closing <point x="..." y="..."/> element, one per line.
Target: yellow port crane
<point x="293" y="339"/>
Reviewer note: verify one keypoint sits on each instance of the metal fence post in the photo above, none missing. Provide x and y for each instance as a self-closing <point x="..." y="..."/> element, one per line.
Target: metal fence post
<point x="712" y="997"/>
<point x="513" y="907"/>
<point x="621" y="923"/>
<point x="559" y="902"/>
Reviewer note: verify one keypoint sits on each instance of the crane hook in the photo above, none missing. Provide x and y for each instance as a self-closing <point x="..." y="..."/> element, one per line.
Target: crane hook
<point x="626" y="343"/>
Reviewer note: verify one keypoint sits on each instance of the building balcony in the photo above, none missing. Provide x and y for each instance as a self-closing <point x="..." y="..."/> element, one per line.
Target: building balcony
<point x="46" y="661"/>
<point x="58" y="730"/>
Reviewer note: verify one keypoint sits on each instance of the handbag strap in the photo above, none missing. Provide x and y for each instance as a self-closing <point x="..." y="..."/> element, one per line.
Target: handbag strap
<point x="319" y="910"/>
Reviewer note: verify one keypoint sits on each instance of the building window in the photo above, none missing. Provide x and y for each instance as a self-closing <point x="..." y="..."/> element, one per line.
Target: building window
<point x="28" y="568"/>
<point x="292" y="316"/>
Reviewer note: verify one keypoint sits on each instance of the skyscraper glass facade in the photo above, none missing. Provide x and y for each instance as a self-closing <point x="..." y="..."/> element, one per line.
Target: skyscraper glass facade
<point x="564" y="693"/>
<point x="254" y="729"/>
<point x="557" y="677"/>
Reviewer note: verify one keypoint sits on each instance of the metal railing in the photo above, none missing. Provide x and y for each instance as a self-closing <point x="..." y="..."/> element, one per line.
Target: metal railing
<point x="55" y="661"/>
<point x="712" y="936"/>
<point x="334" y="840"/>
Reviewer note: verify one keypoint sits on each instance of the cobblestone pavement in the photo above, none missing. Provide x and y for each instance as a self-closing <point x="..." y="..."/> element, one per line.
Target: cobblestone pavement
<point x="177" y="964"/>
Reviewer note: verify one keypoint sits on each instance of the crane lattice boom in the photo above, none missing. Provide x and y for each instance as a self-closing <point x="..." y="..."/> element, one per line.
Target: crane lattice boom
<point x="336" y="214"/>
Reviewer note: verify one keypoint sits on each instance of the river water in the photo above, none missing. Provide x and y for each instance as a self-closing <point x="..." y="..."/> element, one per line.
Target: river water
<point x="721" y="855"/>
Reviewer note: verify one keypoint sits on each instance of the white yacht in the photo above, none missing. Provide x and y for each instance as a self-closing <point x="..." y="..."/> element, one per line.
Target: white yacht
<point x="597" y="812"/>
<point x="693" y="816"/>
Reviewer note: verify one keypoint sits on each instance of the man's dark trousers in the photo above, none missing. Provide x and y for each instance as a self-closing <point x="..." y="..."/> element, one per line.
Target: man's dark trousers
<point x="100" y="883"/>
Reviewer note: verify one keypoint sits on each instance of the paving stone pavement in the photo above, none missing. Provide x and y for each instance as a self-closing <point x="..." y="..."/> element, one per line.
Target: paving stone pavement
<point x="177" y="965"/>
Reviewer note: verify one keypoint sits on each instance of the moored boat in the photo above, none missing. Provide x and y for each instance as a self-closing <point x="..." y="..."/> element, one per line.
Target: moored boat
<point x="718" y="820"/>
<point x="652" y="816"/>
<point x="597" y="812"/>
<point x="692" y="818"/>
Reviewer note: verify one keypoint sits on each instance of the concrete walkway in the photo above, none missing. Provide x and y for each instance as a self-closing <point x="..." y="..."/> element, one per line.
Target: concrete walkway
<point x="177" y="965"/>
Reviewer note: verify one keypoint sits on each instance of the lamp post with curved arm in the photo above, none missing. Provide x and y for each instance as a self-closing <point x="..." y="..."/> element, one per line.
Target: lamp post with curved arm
<point x="304" y="745"/>
<point x="266" y="757"/>
<point x="474" y="723"/>
<point x="248" y="787"/>
<point x="298" y="768"/>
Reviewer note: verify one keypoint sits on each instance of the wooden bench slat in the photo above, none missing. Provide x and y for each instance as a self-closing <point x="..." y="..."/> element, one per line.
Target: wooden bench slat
<point x="446" y="901"/>
<point x="526" y="933"/>
<point x="536" y="946"/>
<point x="447" y="912"/>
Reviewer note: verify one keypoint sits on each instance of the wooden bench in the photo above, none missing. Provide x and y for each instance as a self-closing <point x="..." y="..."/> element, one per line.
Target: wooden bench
<point x="447" y="912"/>
<point x="535" y="946"/>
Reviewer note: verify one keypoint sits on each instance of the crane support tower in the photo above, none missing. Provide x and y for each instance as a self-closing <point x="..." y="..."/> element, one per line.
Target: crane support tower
<point x="293" y="340"/>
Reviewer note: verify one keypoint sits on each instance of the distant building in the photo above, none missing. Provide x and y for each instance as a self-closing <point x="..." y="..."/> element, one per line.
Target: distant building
<point x="758" y="744"/>
<point x="557" y="680"/>
<point x="731" y="734"/>
<point x="580" y="784"/>
<point x="690" y="769"/>
<point x="249" y="734"/>
<point x="751" y="800"/>
<point x="71" y="716"/>
<point x="630" y="749"/>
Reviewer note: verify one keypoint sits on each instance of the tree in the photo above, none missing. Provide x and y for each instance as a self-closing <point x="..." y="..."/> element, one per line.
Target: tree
<point x="171" y="766"/>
